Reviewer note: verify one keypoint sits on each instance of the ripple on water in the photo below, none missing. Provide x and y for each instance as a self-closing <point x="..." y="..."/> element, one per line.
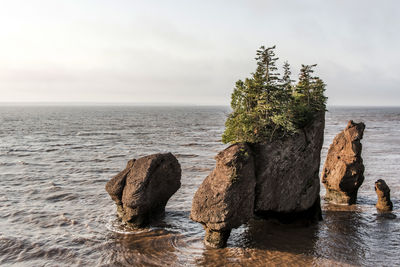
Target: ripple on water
<point x="61" y="197"/>
<point x="22" y="250"/>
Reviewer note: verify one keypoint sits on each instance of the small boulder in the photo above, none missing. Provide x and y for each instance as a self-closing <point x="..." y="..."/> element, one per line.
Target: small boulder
<point x="142" y="190"/>
<point x="343" y="171"/>
<point x="383" y="192"/>
<point x="225" y="199"/>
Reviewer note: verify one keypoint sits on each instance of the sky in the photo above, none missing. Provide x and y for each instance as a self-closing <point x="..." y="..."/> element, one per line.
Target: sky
<point x="193" y="52"/>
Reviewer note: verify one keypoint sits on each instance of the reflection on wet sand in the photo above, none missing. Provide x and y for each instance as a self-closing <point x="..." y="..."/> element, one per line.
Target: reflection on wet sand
<point x="251" y="257"/>
<point x="263" y="243"/>
<point x="143" y="249"/>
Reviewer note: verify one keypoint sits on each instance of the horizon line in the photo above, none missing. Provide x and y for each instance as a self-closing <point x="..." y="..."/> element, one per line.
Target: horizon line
<point x="149" y="104"/>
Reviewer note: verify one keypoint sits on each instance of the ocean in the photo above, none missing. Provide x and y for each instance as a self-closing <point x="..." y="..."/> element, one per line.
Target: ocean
<point x="54" y="210"/>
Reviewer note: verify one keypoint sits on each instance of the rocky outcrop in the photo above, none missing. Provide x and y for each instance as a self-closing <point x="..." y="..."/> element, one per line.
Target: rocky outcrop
<point x="225" y="199"/>
<point x="383" y="192"/>
<point x="278" y="179"/>
<point x="287" y="174"/>
<point x="142" y="190"/>
<point x="343" y="171"/>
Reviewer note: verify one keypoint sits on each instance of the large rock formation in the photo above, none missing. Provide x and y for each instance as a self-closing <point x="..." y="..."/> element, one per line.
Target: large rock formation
<point x="287" y="174"/>
<point x="278" y="179"/>
<point x="144" y="187"/>
<point x="383" y="192"/>
<point x="225" y="199"/>
<point x="343" y="171"/>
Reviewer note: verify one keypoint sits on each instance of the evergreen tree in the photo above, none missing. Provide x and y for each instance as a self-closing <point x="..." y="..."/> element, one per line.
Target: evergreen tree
<point x="286" y="79"/>
<point x="266" y="107"/>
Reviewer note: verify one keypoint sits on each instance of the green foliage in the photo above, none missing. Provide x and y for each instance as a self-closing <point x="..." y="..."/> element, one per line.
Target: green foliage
<point x="267" y="107"/>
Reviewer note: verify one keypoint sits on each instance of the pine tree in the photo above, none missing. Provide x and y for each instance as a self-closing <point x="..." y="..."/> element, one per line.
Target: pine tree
<point x="318" y="95"/>
<point x="266" y="107"/>
<point x="286" y="80"/>
<point x="303" y="87"/>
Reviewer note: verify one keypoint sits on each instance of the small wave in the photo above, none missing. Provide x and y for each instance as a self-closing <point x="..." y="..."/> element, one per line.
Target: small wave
<point x="61" y="197"/>
<point x="95" y="160"/>
<point x="23" y="155"/>
<point x="57" y="145"/>
<point x="7" y="164"/>
<point x="77" y="147"/>
<point x="191" y="144"/>
<point x="95" y="133"/>
<point x="86" y="146"/>
<point x="186" y="155"/>
<point x="198" y="169"/>
<point x="62" y="161"/>
<point x="19" y="150"/>
<point x="115" y="156"/>
<point x="118" y="227"/>
<point x="50" y="150"/>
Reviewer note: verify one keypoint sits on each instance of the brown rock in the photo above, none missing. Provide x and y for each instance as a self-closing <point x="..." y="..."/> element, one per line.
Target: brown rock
<point x="116" y="185"/>
<point x="225" y="199"/>
<point x="287" y="175"/>
<point x="278" y="179"/>
<point x="343" y="171"/>
<point x="142" y="190"/>
<point x="383" y="192"/>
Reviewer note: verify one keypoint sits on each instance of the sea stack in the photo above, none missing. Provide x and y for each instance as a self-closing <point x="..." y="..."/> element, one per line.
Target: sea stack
<point x="274" y="180"/>
<point x="225" y="199"/>
<point x="142" y="190"/>
<point x="383" y="192"/>
<point x="343" y="171"/>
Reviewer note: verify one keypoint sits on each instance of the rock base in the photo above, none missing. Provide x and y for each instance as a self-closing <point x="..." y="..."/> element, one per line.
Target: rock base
<point x="341" y="198"/>
<point x="309" y="216"/>
<point x="216" y="239"/>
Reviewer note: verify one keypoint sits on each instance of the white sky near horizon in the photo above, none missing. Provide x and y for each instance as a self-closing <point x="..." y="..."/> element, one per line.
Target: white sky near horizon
<point x="192" y="52"/>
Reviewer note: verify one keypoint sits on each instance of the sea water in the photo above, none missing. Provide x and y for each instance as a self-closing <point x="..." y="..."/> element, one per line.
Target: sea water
<point x="54" y="210"/>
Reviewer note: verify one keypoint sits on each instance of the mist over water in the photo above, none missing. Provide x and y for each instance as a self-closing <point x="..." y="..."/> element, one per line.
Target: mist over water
<point x="54" y="210"/>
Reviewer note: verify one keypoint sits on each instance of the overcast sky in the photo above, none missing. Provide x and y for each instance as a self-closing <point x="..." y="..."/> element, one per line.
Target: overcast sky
<point x="192" y="52"/>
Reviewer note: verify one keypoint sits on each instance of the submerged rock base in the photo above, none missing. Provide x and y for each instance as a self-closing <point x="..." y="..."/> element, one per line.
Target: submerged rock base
<point x="343" y="171"/>
<point x="142" y="190"/>
<point x="216" y="239"/>
<point x="306" y="217"/>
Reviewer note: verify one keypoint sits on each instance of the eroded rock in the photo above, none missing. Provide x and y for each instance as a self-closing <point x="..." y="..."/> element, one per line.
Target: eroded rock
<point x="277" y="179"/>
<point x="343" y="171"/>
<point x="287" y="174"/>
<point x="225" y="199"/>
<point x="142" y="190"/>
<point x="383" y="192"/>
